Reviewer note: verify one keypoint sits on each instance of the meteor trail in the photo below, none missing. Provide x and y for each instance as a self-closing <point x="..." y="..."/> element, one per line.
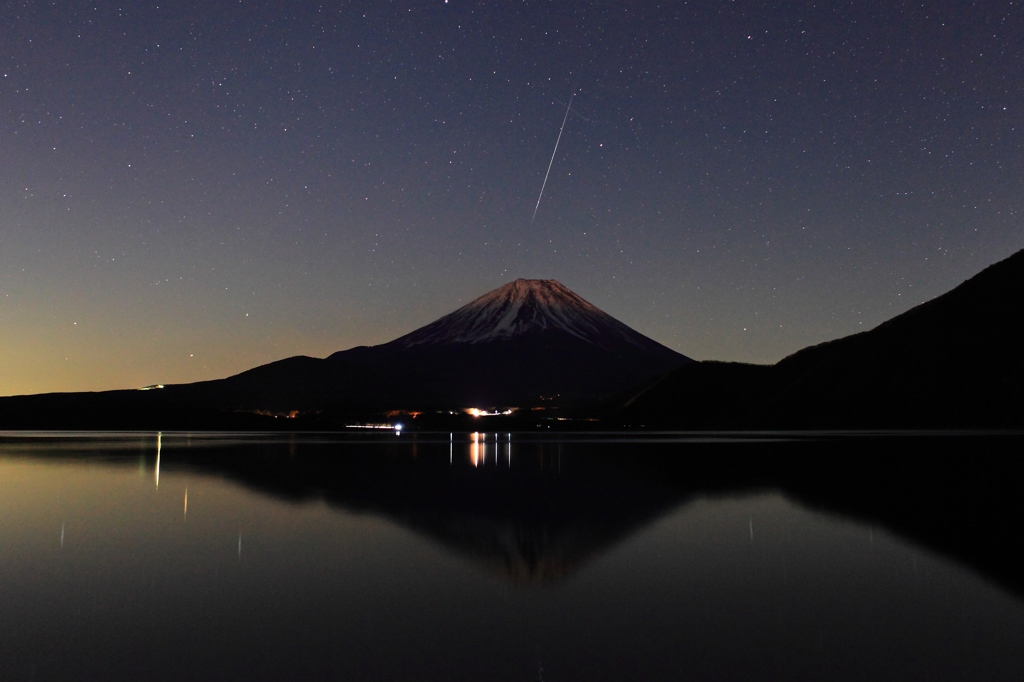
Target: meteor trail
<point x="552" y="161"/>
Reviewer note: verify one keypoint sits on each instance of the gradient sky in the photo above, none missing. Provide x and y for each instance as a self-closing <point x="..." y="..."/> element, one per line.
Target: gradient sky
<point x="190" y="189"/>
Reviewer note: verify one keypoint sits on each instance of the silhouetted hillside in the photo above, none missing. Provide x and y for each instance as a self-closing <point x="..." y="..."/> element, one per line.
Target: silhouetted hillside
<point x="954" y="361"/>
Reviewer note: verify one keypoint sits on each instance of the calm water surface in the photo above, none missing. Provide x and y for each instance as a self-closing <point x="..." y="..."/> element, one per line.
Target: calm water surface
<point x="467" y="557"/>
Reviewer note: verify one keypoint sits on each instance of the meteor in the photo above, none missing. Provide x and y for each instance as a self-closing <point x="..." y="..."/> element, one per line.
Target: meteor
<point x="552" y="161"/>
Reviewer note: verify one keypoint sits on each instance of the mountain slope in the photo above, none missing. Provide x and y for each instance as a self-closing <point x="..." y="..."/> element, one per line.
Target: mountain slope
<point x="530" y="342"/>
<point x="523" y="343"/>
<point x="952" y="362"/>
<point x="527" y="307"/>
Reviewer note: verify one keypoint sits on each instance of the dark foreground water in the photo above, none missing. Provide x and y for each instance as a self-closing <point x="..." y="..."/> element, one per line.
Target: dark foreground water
<point x="508" y="557"/>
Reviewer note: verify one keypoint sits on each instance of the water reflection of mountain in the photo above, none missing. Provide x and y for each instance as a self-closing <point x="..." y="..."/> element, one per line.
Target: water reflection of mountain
<point x="529" y="515"/>
<point x="535" y="511"/>
<point x="556" y="504"/>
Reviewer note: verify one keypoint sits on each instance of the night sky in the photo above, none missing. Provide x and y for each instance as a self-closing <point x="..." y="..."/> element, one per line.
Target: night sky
<point x="190" y="189"/>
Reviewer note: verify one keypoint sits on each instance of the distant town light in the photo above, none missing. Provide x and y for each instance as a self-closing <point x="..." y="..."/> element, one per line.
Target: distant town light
<point x="477" y="412"/>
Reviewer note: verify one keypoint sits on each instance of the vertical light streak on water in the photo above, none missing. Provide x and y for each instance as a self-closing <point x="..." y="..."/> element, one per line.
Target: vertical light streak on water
<point x="474" y="449"/>
<point x="156" y="475"/>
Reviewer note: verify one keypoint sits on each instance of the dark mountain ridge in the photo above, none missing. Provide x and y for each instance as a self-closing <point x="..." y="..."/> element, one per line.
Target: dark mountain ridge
<point x="952" y="362"/>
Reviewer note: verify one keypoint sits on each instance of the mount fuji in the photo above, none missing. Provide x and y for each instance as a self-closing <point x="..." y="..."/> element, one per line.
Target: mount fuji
<point x="527" y="343"/>
<point x="527" y="307"/>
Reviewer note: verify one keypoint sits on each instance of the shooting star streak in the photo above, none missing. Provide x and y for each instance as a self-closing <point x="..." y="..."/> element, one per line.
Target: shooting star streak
<point x="552" y="161"/>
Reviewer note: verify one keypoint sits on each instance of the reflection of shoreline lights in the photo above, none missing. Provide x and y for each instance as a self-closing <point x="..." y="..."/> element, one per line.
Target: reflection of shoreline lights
<point x="474" y="449"/>
<point x="478" y="449"/>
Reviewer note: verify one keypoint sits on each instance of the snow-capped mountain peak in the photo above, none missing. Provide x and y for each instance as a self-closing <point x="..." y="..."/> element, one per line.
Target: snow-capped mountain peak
<point x="522" y="307"/>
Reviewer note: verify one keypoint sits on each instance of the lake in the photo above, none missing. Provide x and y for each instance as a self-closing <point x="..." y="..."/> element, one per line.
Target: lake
<point x="497" y="556"/>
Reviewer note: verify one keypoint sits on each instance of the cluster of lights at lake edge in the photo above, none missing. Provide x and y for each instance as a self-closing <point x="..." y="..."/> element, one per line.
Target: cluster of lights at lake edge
<point x="477" y="412"/>
<point x="397" y="428"/>
<point x="471" y="411"/>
